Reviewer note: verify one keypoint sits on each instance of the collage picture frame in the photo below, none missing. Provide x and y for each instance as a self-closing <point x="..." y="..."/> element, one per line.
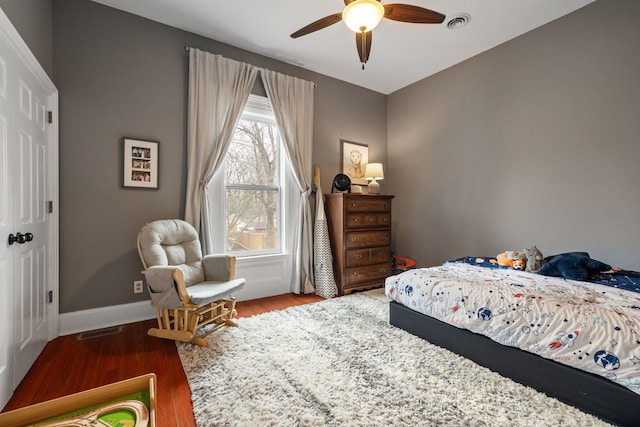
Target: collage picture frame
<point x="140" y="163"/>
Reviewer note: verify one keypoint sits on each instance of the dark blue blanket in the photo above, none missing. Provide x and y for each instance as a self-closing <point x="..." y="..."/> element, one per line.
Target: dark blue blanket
<point x="617" y="278"/>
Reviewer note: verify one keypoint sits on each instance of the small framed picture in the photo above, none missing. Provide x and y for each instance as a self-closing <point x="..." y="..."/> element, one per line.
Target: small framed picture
<point x="355" y="157"/>
<point x="140" y="163"/>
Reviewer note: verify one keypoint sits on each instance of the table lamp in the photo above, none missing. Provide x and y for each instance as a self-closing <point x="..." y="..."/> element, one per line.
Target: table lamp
<point x="372" y="172"/>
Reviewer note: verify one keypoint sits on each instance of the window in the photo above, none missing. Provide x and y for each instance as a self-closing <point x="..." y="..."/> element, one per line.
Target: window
<point x="252" y="183"/>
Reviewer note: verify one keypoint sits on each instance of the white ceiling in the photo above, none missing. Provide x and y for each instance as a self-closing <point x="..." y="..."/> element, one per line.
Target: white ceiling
<point x="401" y="53"/>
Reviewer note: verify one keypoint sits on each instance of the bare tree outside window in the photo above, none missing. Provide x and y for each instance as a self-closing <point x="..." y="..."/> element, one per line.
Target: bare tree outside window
<point x="252" y="182"/>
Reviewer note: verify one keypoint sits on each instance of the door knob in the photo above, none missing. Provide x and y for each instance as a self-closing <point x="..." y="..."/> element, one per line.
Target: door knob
<point x="13" y="239"/>
<point x="20" y="238"/>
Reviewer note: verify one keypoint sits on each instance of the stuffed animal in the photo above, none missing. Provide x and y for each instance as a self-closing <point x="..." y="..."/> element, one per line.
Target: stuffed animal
<point x="573" y="265"/>
<point x="513" y="259"/>
<point x="534" y="258"/>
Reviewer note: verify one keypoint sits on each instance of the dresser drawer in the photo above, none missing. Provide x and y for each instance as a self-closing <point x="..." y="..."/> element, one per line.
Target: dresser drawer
<point x="357" y="275"/>
<point x="365" y="239"/>
<point x="379" y="255"/>
<point x="366" y="220"/>
<point x="367" y="204"/>
<point x="359" y="257"/>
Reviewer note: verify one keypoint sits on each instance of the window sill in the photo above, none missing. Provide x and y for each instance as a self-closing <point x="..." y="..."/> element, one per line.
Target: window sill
<point x="261" y="259"/>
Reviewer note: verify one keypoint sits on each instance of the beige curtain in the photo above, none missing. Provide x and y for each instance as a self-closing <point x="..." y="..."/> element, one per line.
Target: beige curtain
<point x="218" y="90"/>
<point x="292" y="101"/>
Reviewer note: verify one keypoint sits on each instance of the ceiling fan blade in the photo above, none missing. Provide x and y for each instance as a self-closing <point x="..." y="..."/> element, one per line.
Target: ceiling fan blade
<point x="364" y="46"/>
<point x="410" y="13"/>
<point x="318" y="25"/>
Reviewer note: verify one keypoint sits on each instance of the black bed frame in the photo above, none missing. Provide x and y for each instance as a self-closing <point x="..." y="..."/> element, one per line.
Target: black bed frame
<point x="590" y="393"/>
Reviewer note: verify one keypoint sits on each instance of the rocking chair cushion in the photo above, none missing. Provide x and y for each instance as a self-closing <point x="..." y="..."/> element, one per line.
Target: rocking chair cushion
<point x="173" y="242"/>
<point x="162" y="287"/>
<point x="213" y="290"/>
<point x="217" y="267"/>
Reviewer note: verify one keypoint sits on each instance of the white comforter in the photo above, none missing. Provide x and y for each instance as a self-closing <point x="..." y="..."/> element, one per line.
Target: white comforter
<point x="591" y="327"/>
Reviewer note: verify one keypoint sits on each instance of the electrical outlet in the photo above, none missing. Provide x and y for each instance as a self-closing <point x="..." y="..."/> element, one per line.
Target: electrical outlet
<point x="137" y="286"/>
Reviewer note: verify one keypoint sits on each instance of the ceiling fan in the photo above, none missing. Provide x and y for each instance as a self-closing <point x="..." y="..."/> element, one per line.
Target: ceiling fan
<point x="361" y="16"/>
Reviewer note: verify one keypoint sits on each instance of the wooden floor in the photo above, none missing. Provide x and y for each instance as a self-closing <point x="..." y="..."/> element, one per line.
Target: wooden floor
<point x="68" y="365"/>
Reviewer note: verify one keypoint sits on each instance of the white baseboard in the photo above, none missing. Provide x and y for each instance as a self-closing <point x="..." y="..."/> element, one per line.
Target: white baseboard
<point x="103" y="317"/>
<point x="259" y="285"/>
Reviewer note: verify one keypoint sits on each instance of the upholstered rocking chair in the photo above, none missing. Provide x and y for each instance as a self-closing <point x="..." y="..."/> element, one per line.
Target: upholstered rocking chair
<point x="188" y="291"/>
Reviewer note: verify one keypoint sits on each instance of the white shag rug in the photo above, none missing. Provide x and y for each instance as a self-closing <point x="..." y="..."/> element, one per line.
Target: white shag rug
<point x="339" y="363"/>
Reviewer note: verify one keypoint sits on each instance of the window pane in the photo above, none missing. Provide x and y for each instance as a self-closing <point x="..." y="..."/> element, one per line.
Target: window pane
<point x="252" y="220"/>
<point x="252" y="158"/>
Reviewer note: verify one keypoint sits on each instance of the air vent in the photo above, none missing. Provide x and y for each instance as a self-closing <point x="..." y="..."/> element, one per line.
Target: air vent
<point x="458" y="21"/>
<point x="100" y="333"/>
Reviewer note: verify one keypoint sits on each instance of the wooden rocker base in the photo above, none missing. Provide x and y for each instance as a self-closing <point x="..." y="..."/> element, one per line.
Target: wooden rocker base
<point x="182" y="324"/>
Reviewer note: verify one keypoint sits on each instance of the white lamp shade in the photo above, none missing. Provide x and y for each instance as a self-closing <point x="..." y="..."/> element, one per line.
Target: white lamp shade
<point x="373" y="171"/>
<point x="363" y="15"/>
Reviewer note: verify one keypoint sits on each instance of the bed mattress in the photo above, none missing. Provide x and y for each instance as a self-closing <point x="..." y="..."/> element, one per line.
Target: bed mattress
<point x="585" y="325"/>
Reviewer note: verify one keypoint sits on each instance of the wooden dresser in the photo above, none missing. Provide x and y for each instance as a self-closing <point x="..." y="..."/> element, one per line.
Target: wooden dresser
<point x="360" y="233"/>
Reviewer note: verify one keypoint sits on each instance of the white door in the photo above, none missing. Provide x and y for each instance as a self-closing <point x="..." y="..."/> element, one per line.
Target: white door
<point x="6" y="257"/>
<point x="28" y="253"/>
<point x="28" y="139"/>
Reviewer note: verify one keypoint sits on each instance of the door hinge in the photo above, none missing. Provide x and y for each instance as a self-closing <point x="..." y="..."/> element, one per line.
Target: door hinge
<point x="50" y="294"/>
<point x="50" y="206"/>
<point x="50" y="116"/>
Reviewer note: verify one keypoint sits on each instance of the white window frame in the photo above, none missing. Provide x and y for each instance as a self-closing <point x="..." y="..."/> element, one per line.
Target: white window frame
<point x="257" y="108"/>
<point x="266" y="274"/>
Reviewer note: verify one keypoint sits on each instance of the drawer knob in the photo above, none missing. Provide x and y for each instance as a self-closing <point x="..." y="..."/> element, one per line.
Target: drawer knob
<point x="380" y="253"/>
<point x="370" y="219"/>
<point x="358" y="256"/>
<point x="355" y="274"/>
<point x="355" y="219"/>
<point x="354" y="239"/>
<point x="382" y="270"/>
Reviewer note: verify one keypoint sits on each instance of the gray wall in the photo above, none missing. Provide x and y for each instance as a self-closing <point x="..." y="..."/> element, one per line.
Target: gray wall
<point x="32" y="19"/>
<point x="119" y="76"/>
<point x="534" y="142"/>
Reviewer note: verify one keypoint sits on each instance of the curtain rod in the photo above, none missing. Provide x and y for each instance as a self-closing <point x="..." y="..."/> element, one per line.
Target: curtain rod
<point x="187" y="48"/>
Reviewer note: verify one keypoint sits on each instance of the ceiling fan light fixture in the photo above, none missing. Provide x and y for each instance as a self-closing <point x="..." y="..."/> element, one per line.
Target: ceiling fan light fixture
<point x="363" y="15"/>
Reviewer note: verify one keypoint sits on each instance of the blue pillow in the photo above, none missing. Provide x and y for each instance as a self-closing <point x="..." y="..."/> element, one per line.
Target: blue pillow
<point x="573" y="265"/>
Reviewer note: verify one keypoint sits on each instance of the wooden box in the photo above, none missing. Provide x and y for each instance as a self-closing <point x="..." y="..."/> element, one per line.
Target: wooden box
<point x="86" y="403"/>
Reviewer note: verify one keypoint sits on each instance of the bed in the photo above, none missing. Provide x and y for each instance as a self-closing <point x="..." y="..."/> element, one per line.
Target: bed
<point x="574" y="340"/>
